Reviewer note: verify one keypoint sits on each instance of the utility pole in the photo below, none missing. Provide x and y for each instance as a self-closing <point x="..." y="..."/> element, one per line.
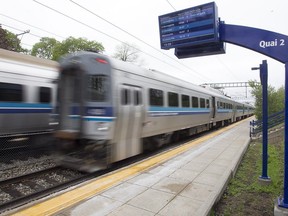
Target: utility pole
<point x="18" y="45"/>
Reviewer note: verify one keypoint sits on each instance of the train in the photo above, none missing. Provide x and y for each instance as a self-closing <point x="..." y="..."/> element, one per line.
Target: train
<point x="110" y="110"/>
<point x="27" y="96"/>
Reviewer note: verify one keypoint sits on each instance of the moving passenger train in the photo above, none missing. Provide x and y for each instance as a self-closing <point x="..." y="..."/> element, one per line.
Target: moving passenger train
<point x="27" y="94"/>
<point x="110" y="110"/>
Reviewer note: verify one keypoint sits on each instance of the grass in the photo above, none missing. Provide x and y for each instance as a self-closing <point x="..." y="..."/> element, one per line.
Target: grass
<point x="245" y="194"/>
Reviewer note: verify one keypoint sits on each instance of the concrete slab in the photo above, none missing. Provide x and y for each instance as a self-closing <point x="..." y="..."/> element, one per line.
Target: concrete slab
<point x="184" y="174"/>
<point x="207" y="179"/>
<point x="145" y="179"/>
<point x="162" y="170"/>
<point x="216" y="169"/>
<point x="198" y="191"/>
<point x="98" y="206"/>
<point x="131" y="190"/>
<point x="195" y="166"/>
<point x="183" y="206"/>
<point x="127" y="210"/>
<point x="171" y="185"/>
<point x="151" y="200"/>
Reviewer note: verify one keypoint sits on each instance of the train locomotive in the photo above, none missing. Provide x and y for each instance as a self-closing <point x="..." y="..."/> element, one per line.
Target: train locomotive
<point x="27" y="97"/>
<point x="110" y="110"/>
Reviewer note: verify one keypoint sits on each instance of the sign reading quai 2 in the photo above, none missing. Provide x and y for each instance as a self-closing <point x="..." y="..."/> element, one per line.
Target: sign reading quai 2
<point x="274" y="43"/>
<point x="269" y="43"/>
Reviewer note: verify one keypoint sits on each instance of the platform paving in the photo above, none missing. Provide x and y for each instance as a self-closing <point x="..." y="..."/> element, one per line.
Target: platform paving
<point x="187" y="184"/>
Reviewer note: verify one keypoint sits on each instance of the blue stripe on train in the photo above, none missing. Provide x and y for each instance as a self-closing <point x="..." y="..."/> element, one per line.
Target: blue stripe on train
<point x="25" y="108"/>
<point x="173" y="111"/>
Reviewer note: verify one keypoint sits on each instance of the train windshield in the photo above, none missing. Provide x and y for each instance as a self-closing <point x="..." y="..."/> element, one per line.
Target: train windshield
<point x="97" y="88"/>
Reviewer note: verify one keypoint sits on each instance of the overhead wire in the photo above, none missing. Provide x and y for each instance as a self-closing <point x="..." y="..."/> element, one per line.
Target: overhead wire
<point x="31" y="25"/>
<point x="20" y="30"/>
<point x="137" y="38"/>
<point x="101" y="32"/>
<point x="228" y="69"/>
<point x="171" y="5"/>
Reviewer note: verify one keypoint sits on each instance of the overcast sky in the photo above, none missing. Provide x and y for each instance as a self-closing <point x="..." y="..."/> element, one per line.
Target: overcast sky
<point x="111" y="22"/>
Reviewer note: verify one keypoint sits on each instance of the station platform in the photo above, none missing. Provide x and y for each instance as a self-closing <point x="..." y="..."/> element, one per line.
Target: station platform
<point x="187" y="180"/>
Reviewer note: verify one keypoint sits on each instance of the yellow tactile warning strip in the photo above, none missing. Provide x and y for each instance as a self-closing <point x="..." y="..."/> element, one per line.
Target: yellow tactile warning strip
<point x="70" y="198"/>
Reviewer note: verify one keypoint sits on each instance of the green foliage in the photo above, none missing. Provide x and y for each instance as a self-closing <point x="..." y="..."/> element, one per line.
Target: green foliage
<point x="44" y="48"/>
<point x="275" y="99"/>
<point x="50" y="48"/>
<point x="72" y="44"/>
<point x="9" y="41"/>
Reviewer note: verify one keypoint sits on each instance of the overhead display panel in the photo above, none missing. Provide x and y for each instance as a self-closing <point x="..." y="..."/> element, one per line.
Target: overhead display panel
<point x="189" y="27"/>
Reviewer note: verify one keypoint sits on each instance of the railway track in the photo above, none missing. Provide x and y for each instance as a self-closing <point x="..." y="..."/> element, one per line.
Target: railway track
<point x="23" y="189"/>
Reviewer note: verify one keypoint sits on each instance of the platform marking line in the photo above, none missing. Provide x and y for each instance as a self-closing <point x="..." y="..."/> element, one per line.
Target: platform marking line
<point x="84" y="192"/>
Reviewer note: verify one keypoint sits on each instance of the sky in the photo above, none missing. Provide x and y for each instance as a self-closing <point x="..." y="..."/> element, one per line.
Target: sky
<point x="112" y="22"/>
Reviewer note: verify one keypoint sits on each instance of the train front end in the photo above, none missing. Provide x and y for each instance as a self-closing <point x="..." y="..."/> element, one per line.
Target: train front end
<point x="85" y="111"/>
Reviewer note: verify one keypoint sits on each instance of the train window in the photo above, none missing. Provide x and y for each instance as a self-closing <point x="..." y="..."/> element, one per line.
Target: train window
<point x="125" y="96"/>
<point x="195" y="102"/>
<point x="137" y="97"/>
<point x="202" y="103"/>
<point x="156" y="97"/>
<point x="221" y="105"/>
<point x="185" y="101"/>
<point x="10" y="92"/>
<point x="207" y="103"/>
<point x="173" y="100"/>
<point x="45" y="95"/>
<point x="97" y="88"/>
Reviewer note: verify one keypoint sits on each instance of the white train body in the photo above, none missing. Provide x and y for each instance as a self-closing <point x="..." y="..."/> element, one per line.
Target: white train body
<point x="27" y="93"/>
<point x="122" y="109"/>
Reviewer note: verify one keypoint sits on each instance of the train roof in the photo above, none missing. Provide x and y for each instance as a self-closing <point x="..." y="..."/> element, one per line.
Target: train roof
<point x="18" y="64"/>
<point x="153" y="74"/>
<point x="27" y="59"/>
<point x="164" y="77"/>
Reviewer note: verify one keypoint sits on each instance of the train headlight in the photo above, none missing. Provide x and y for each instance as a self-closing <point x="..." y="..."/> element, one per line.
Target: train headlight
<point x="102" y="126"/>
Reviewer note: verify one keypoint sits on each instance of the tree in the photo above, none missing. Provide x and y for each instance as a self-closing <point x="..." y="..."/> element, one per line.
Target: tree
<point x="72" y="44"/>
<point x="9" y="41"/>
<point x="50" y="48"/>
<point x="275" y="99"/>
<point x="126" y="52"/>
<point x="44" y="48"/>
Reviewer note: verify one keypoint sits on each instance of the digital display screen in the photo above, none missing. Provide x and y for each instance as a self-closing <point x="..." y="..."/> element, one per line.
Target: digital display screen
<point x="189" y="27"/>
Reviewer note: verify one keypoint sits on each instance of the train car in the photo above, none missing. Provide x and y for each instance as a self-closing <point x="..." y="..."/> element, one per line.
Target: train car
<point x="27" y="94"/>
<point x="111" y="110"/>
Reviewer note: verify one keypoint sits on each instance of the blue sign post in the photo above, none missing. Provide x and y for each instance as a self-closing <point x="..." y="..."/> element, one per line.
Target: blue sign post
<point x="264" y="77"/>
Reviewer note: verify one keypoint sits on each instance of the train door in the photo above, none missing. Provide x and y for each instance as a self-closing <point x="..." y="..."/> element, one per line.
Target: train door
<point x="129" y="123"/>
<point x="71" y="102"/>
<point x="213" y="107"/>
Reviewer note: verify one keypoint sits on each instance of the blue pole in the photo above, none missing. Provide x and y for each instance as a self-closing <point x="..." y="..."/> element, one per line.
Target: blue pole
<point x="283" y="202"/>
<point x="264" y="76"/>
